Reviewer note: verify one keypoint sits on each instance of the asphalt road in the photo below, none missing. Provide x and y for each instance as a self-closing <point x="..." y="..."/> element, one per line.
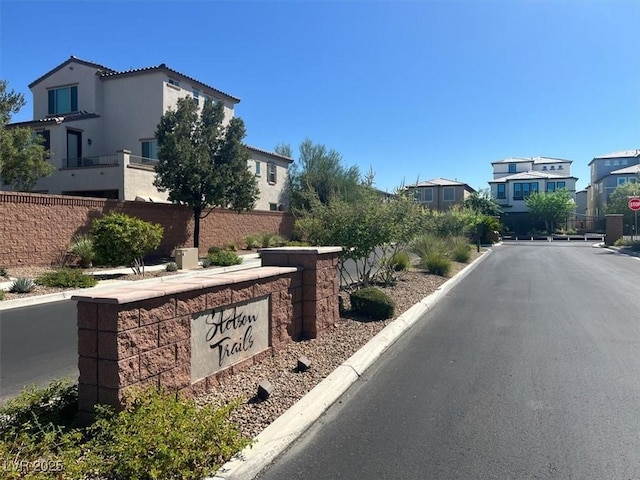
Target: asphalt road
<point x="37" y="344"/>
<point x="528" y="369"/>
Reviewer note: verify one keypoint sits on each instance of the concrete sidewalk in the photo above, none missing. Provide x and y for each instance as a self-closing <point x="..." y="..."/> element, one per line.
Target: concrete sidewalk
<point x="248" y="261"/>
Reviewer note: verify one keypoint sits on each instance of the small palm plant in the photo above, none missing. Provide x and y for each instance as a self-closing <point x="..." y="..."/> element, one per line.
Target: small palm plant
<point x="82" y="247"/>
<point x="22" y="285"/>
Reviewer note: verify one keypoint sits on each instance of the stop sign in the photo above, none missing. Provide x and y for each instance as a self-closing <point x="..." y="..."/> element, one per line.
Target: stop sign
<point x="634" y="203"/>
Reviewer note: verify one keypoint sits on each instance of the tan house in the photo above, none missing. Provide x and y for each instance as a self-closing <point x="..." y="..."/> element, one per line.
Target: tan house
<point x="440" y="193"/>
<point x="99" y="126"/>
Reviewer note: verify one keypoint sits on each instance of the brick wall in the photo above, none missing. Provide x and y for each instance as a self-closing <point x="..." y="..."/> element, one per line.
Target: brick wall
<point x="36" y="229"/>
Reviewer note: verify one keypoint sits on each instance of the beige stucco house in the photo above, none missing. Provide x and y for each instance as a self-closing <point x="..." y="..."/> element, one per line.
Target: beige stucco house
<point x="439" y="193"/>
<point x="99" y="126"/>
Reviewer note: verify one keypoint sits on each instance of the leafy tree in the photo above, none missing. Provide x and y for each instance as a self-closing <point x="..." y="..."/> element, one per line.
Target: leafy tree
<point x="319" y="172"/>
<point x="369" y="231"/>
<point x="482" y="202"/>
<point x="23" y="158"/>
<point x="202" y="162"/>
<point x="119" y="239"/>
<point x="619" y="201"/>
<point x="550" y="207"/>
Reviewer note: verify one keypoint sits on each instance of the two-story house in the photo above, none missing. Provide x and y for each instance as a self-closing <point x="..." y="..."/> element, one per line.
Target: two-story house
<point x="607" y="172"/>
<point x="439" y="193"/>
<point x="515" y="178"/>
<point x="99" y="126"/>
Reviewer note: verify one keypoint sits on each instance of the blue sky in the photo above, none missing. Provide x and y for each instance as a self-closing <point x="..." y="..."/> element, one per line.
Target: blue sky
<point x="415" y="90"/>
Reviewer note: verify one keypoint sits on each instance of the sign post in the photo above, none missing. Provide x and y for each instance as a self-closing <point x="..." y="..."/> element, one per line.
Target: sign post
<point x="634" y="204"/>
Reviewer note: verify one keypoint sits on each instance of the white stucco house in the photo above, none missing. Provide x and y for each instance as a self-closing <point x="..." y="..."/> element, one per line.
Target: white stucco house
<point x="515" y="178"/>
<point x="99" y="126"/>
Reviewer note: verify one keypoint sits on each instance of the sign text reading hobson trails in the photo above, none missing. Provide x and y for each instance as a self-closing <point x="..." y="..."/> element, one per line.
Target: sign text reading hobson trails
<point x="224" y="336"/>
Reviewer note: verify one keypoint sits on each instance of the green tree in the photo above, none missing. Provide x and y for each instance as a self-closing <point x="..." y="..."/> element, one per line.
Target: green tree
<point x="619" y="201"/>
<point x="550" y="207"/>
<point x="319" y="172"/>
<point x="482" y="202"/>
<point x="23" y="158"/>
<point x="202" y="162"/>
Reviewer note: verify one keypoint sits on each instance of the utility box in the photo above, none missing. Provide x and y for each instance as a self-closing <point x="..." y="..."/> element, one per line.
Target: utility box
<point x="187" y="258"/>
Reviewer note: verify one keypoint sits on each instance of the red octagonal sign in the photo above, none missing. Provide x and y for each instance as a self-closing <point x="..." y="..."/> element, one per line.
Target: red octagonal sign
<point x="634" y="203"/>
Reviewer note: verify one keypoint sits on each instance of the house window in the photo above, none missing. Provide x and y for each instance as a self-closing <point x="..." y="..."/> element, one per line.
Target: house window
<point x="621" y="181"/>
<point x="560" y="167"/>
<point x="624" y="161"/>
<point x="512" y="168"/>
<point x="196" y="96"/>
<point x="173" y="81"/>
<point x="522" y="191"/>
<point x="551" y="186"/>
<point x="63" y="100"/>
<point x="257" y="168"/>
<point x="560" y="185"/>
<point x="631" y="179"/>
<point x="449" y="194"/>
<point x="150" y="149"/>
<point x="422" y="194"/>
<point x="502" y="193"/>
<point x="616" y="162"/>
<point x="607" y="163"/>
<point x="271" y="173"/>
<point x="544" y="167"/>
<point x="273" y="207"/>
<point x="552" y="167"/>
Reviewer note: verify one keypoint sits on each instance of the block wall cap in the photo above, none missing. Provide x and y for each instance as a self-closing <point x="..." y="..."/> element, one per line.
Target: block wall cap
<point x="131" y="293"/>
<point x="301" y="250"/>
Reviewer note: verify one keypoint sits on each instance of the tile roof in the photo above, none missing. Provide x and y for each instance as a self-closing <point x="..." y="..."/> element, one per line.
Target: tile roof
<point x="437" y="182"/>
<point x="535" y="160"/>
<point x="57" y="120"/>
<point x="620" y="154"/>
<point x="272" y="154"/>
<point x="107" y="73"/>
<point x="633" y="169"/>
<point x="531" y="175"/>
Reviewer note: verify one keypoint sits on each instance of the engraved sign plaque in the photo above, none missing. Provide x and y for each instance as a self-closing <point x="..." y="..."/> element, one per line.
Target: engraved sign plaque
<point x="227" y="335"/>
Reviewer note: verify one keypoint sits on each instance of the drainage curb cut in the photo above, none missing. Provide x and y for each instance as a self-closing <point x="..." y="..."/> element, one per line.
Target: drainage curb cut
<point x="274" y="439"/>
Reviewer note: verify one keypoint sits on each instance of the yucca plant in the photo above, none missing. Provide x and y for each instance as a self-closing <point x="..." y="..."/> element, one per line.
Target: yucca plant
<point x="171" y="267"/>
<point x="22" y="285"/>
<point x="82" y="247"/>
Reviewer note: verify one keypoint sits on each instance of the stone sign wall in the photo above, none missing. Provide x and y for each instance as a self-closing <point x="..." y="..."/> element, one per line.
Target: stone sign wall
<point x="186" y="333"/>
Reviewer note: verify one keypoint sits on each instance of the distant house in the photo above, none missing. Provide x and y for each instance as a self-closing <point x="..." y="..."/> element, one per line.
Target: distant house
<point x="608" y="172"/>
<point x="515" y="178"/>
<point x="440" y="194"/>
<point x="99" y="125"/>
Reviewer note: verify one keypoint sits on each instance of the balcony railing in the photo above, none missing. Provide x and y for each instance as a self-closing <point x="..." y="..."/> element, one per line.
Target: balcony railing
<point x="82" y="162"/>
<point x="133" y="159"/>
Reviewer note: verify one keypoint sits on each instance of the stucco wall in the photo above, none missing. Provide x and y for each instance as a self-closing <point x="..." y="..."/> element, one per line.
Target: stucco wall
<point x="36" y="229"/>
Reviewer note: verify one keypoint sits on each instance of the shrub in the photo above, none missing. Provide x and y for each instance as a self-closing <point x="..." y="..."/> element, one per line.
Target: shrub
<point x="268" y="239"/>
<point x="67" y="278"/>
<point x="372" y="302"/>
<point x="82" y="247"/>
<point x="428" y="244"/>
<point x="123" y="240"/>
<point x="223" y="258"/>
<point x="171" y="267"/>
<point x="3" y="272"/>
<point x="22" y="285"/>
<point x="231" y="246"/>
<point x="1" y="295"/>
<point x="214" y="249"/>
<point x="437" y="264"/>
<point x="298" y="243"/>
<point x="400" y="261"/>
<point x="460" y="249"/>
<point x="161" y="436"/>
<point x="252" y="241"/>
